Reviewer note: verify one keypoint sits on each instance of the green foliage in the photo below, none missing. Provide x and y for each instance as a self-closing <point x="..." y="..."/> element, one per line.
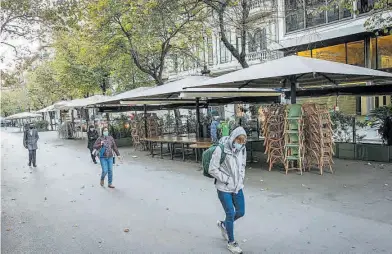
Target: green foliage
<point x="120" y="127"/>
<point x="41" y="125"/>
<point x="379" y="118"/>
<point x="43" y="88"/>
<point x="14" y="101"/>
<point x="343" y="125"/>
<point x="148" y="30"/>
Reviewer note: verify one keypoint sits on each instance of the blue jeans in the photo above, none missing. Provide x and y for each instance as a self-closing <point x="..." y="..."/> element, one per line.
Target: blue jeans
<point x="107" y="168"/>
<point x="234" y="206"/>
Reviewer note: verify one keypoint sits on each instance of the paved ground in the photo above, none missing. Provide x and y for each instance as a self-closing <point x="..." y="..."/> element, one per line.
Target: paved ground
<point x="170" y="208"/>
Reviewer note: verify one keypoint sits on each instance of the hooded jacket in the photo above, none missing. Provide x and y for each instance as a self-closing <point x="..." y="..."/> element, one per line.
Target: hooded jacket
<point x="231" y="173"/>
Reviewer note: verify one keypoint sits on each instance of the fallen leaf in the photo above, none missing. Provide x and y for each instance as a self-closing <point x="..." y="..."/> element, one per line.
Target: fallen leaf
<point x="46" y="198"/>
<point x="13" y="198"/>
<point x="126" y="230"/>
<point x="83" y="187"/>
<point x="8" y="229"/>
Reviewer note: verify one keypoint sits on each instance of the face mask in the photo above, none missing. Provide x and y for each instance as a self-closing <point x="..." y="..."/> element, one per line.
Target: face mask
<point x="106" y="133"/>
<point x="91" y="129"/>
<point x="237" y="146"/>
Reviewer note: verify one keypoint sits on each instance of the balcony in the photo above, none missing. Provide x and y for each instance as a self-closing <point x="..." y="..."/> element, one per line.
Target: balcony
<point x="262" y="56"/>
<point x="262" y="8"/>
<point x="230" y="64"/>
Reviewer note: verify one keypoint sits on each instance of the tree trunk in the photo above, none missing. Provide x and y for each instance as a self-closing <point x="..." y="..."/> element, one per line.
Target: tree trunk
<point x="177" y="120"/>
<point x="240" y="56"/>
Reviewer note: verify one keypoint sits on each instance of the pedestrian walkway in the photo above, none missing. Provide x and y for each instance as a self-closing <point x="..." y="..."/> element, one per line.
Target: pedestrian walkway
<point x="169" y="207"/>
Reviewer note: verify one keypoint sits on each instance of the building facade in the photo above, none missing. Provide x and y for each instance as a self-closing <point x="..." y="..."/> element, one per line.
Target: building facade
<point x="339" y="35"/>
<point x="309" y="28"/>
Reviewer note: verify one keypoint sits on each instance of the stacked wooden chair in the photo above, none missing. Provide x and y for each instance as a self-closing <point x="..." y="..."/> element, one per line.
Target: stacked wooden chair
<point x="327" y="137"/>
<point x="294" y="138"/>
<point x="318" y="137"/>
<point x="273" y="127"/>
<point x="313" y="142"/>
<point x="135" y="135"/>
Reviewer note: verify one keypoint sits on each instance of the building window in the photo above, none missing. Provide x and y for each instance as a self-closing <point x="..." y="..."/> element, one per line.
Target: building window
<point x="238" y="41"/>
<point x="364" y="6"/>
<point x="336" y="12"/>
<point x="376" y="102"/>
<point x="317" y="12"/>
<point x="257" y="41"/>
<point x="224" y="52"/>
<point x="307" y="53"/>
<point x="335" y="53"/>
<point x="356" y="53"/>
<point x="314" y="13"/>
<point x="294" y="11"/>
<point x="351" y="53"/>
<point x="263" y="43"/>
<point x="210" y="51"/>
<point x="384" y="100"/>
<point x="384" y="52"/>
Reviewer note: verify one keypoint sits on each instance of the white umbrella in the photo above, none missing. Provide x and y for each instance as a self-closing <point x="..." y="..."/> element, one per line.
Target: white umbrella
<point x="303" y="71"/>
<point x="24" y="115"/>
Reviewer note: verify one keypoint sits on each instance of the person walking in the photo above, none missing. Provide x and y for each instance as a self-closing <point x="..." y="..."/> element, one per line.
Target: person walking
<point x="92" y="136"/>
<point x="105" y="145"/>
<point x="229" y="182"/>
<point x="214" y="129"/>
<point x="30" y="139"/>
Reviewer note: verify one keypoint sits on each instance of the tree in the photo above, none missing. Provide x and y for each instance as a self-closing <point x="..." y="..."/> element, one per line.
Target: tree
<point x="43" y="88"/>
<point x="79" y="65"/>
<point x="234" y="16"/>
<point x="149" y="30"/>
<point x="14" y="101"/>
<point x="23" y="19"/>
<point x="238" y="23"/>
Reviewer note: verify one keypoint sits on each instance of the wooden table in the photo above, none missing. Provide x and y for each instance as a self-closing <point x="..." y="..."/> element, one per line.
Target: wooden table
<point x="202" y="146"/>
<point x="172" y="140"/>
<point x="192" y="141"/>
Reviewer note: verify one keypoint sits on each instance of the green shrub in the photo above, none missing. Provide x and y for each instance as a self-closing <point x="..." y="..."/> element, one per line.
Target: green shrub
<point x="41" y="125"/>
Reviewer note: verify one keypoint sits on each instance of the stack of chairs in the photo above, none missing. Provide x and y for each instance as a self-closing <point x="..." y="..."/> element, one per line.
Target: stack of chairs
<point x="318" y="137"/>
<point x="273" y="127"/>
<point x="294" y="138"/>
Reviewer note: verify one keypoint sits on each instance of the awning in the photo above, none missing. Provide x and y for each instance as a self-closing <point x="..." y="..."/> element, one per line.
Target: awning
<point x="209" y="93"/>
<point x="81" y="103"/>
<point x="47" y="109"/>
<point x="359" y="90"/>
<point x="115" y="100"/>
<point x="302" y="71"/>
<point x="24" y="115"/>
<point x="160" y="94"/>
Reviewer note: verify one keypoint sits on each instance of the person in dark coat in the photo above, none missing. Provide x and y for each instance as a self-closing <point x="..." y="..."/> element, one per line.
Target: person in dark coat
<point x="30" y="139"/>
<point x="92" y="136"/>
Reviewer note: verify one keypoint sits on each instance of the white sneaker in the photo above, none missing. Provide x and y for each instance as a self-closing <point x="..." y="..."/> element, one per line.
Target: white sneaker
<point x="234" y="247"/>
<point x="221" y="226"/>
